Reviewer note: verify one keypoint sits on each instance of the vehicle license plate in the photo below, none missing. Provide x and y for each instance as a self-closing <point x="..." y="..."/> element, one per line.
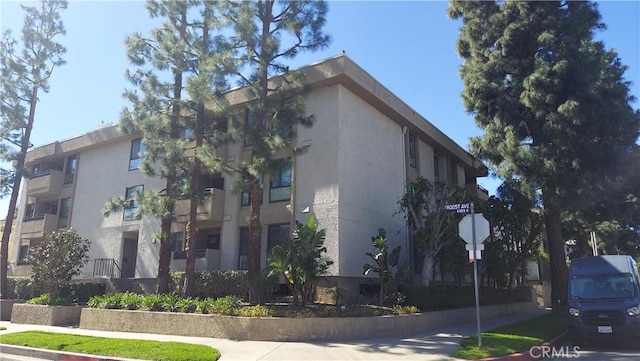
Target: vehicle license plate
<point x="604" y="329"/>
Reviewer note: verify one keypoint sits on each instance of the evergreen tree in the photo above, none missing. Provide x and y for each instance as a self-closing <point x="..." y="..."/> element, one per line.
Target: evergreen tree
<point x="206" y="91"/>
<point x="552" y="101"/>
<point x="23" y="75"/>
<point x="516" y="228"/>
<point x="162" y="60"/>
<point x="270" y="32"/>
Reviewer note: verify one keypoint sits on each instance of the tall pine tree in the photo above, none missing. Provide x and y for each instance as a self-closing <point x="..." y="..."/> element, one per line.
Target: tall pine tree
<point x="271" y="32"/>
<point x="552" y="101"/>
<point x="162" y="62"/>
<point x="23" y="76"/>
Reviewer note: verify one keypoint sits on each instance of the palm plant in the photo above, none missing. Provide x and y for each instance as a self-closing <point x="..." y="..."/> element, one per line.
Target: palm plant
<point x="385" y="261"/>
<point x="299" y="260"/>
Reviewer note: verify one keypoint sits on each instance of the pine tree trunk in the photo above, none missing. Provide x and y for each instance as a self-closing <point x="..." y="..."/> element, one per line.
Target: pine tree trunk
<point x="558" y="263"/>
<point x="13" y="201"/>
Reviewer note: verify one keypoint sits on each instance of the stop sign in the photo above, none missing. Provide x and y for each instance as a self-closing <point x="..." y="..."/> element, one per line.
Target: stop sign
<point x="465" y="228"/>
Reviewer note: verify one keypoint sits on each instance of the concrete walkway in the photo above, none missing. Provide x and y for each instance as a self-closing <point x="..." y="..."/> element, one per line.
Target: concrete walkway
<point x="432" y="346"/>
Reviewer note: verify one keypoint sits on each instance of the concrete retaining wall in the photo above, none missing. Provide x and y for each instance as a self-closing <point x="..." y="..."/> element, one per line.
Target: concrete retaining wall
<point x="46" y="315"/>
<point x="284" y="329"/>
<point x="6" y="307"/>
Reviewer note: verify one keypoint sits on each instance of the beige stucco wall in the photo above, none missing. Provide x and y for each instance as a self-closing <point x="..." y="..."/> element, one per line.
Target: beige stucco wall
<point x="371" y="180"/>
<point x="104" y="173"/>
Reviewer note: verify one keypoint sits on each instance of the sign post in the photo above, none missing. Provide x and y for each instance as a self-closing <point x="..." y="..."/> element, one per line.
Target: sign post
<point x="474" y="233"/>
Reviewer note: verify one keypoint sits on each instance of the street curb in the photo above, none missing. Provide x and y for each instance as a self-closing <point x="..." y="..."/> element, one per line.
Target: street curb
<point x="526" y="356"/>
<point x="55" y="355"/>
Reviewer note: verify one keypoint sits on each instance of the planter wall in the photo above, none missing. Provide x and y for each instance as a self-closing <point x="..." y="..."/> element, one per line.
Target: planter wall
<point x="46" y="315"/>
<point x="6" y="307"/>
<point x="284" y="329"/>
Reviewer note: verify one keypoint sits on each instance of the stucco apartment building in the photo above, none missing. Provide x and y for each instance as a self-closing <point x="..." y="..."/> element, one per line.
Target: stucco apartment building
<point x="363" y="147"/>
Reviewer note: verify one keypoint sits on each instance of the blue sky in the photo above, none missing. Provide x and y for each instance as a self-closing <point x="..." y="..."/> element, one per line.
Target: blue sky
<point x="409" y="47"/>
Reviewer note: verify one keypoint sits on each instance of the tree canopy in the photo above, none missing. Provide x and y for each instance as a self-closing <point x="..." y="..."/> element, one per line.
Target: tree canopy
<point x="552" y="101"/>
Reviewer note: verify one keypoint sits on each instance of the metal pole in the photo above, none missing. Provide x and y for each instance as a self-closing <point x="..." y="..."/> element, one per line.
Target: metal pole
<point x="475" y="273"/>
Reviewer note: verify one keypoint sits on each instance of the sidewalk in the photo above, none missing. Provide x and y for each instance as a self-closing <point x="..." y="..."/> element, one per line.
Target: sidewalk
<point x="432" y="346"/>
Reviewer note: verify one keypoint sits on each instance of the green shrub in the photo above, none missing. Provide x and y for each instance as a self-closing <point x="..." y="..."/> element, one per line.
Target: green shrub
<point x="45" y="299"/>
<point x="188" y="305"/>
<point x="21" y="288"/>
<point x="131" y="301"/>
<point x="153" y="302"/>
<point x="255" y="311"/>
<point x="440" y="298"/>
<point x="170" y="302"/>
<point x="226" y="305"/>
<point x="96" y="301"/>
<point x="205" y="306"/>
<point x="81" y="292"/>
<point x="216" y="284"/>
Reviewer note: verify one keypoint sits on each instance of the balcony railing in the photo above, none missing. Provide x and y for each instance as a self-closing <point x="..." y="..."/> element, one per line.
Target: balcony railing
<point x="211" y="209"/>
<point x="35" y="226"/>
<point x="46" y="183"/>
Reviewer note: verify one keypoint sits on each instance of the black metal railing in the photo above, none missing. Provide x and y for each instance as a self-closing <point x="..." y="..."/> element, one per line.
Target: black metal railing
<point x="106" y="267"/>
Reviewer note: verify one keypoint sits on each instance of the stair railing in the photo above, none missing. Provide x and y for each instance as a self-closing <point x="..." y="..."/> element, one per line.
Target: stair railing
<point x="106" y="267"/>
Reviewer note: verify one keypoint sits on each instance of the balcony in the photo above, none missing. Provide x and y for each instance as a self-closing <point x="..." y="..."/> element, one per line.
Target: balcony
<point x="206" y="259"/>
<point x="45" y="184"/>
<point x="211" y="209"/>
<point x="36" y="226"/>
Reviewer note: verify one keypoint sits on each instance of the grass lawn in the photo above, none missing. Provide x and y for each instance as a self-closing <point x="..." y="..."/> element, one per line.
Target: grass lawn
<point x="118" y="347"/>
<point x="512" y="338"/>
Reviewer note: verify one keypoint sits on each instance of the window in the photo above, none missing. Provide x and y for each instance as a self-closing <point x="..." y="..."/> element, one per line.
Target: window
<point x="70" y="171"/>
<point x="132" y="211"/>
<point x="65" y="208"/>
<point x="276" y="234"/>
<point x="436" y="167"/>
<point x="250" y="125"/>
<point x="453" y="172"/>
<point x="213" y="241"/>
<point x="280" y="185"/>
<point x="23" y="253"/>
<point x="245" y="197"/>
<point x="413" y="151"/>
<point x="137" y="153"/>
<point x="243" y="254"/>
<point x="176" y="241"/>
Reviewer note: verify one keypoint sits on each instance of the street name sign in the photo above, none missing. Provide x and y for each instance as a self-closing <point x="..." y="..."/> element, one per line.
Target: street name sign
<point x="461" y="208"/>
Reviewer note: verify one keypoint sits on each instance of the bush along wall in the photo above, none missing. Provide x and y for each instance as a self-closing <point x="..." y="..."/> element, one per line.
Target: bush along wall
<point x="217" y="284"/>
<point x="21" y="288"/>
<point x="441" y="298"/>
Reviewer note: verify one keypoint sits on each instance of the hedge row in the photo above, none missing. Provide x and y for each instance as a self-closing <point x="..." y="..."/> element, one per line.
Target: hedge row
<point x="439" y="298"/>
<point x="21" y="288"/>
<point x="217" y="284"/>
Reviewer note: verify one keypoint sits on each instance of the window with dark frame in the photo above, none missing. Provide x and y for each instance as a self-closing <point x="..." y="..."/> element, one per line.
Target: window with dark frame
<point x="23" y="253"/>
<point x="131" y="211"/>
<point x="70" y="171"/>
<point x="276" y="234"/>
<point x="176" y="241"/>
<point x="436" y="167"/>
<point x="413" y="151"/>
<point x="65" y="210"/>
<point x="454" y="172"/>
<point x="243" y="251"/>
<point x="213" y="241"/>
<point x="280" y="184"/>
<point x="137" y="153"/>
